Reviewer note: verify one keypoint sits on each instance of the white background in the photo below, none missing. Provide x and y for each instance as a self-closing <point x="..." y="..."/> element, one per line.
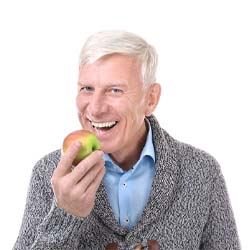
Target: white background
<point x="204" y="64"/>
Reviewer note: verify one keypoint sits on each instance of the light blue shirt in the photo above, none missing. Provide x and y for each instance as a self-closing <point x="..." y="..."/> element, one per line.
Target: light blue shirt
<point x="128" y="191"/>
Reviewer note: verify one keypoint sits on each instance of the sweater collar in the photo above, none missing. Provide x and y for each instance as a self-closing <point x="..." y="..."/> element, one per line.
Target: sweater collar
<point x="162" y="188"/>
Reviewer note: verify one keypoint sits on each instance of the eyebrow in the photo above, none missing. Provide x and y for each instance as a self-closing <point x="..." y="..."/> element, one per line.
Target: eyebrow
<point x="82" y="83"/>
<point x="122" y="83"/>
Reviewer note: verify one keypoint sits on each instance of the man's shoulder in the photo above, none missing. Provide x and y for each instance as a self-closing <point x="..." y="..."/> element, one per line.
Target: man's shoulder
<point x="47" y="163"/>
<point x="51" y="158"/>
<point x="192" y="158"/>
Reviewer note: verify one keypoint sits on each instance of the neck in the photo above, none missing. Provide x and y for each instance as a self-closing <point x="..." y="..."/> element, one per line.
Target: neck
<point x="128" y="160"/>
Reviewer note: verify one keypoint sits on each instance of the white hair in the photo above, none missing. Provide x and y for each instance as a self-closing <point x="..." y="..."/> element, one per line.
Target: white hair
<point x="121" y="42"/>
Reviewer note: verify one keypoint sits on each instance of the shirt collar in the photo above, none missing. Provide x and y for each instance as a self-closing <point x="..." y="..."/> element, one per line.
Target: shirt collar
<point x="148" y="150"/>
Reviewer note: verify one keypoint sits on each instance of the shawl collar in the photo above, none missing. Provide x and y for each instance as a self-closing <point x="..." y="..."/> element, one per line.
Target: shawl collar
<point x="163" y="186"/>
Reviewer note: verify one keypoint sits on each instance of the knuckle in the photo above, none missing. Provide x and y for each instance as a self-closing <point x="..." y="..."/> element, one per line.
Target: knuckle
<point x="94" y="157"/>
<point x="103" y="170"/>
<point x="75" y="194"/>
<point x="82" y="168"/>
<point x="88" y="197"/>
<point x="67" y="160"/>
<point x="62" y="161"/>
<point x="70" y="154"/>
<point x="68" y="157"/>
<point x="95" y="171"/>
<point x="90" y="160"/>
<point x="101" y="165"/>
<point x="65" y="189"/>
<point x="84" y="198"/>
<point x="73" y="149"/>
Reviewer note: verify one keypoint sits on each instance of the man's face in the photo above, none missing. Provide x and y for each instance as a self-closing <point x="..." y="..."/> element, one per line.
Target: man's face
<point x="111" y="102"/>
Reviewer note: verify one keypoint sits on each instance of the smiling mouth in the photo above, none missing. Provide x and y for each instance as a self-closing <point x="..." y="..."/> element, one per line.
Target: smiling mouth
<point x="103" y="125"/>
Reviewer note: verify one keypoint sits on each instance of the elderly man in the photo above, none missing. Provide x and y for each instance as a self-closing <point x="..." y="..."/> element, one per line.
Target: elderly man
<point x="144" y="190"/>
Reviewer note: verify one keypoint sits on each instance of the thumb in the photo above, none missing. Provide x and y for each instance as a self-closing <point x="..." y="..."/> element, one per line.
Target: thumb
<point x="65" y="164"/>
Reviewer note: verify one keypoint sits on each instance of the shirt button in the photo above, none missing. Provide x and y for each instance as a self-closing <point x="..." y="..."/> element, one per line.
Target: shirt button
<point x="124" y="184"/>
<point x="126" y="220"/>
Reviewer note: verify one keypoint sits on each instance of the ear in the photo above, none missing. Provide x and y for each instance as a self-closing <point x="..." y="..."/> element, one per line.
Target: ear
<point x="153" y="97"/>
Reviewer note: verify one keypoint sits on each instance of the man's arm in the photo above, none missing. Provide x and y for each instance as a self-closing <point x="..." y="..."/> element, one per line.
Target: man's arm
<point x="220" y="231"/>
<point x="44" y="225"/>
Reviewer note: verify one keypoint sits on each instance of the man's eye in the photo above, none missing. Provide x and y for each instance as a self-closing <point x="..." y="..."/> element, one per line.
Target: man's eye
<point x="116" y="90"/>
<point x="86" y="89"/>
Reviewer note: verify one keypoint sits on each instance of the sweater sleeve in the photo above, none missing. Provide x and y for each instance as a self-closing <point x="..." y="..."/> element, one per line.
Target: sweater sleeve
<point x="44" y="225"/>
<point x="220" y="231"/>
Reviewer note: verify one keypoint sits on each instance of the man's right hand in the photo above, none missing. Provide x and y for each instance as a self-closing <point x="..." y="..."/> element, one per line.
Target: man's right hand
<point x="75" y="190"/>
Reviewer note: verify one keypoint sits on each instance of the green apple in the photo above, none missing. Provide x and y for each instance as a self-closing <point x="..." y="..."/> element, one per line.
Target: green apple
<point x="89" y="143"/>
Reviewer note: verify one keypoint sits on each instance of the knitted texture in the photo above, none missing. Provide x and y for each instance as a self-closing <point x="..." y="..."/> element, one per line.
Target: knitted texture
<point x="188" y="208"/>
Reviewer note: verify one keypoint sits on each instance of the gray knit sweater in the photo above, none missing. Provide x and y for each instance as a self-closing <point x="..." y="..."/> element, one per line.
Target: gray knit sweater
<point x="188" y="207"/>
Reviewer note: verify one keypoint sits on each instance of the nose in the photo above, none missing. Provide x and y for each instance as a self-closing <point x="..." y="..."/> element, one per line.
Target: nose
<point x="97" y="105"/>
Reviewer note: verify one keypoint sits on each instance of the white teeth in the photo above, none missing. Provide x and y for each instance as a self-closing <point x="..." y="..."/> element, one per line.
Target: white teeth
<point x="103" y="124"/>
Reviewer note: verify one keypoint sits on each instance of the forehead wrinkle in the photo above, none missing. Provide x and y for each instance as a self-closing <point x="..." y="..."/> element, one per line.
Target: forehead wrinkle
<point x="118" y="82"/>
<point x="108" y="83"/>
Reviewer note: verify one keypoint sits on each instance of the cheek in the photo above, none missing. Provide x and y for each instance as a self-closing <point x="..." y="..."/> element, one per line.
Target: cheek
<point x="137" y="105"/>
<point x="134" y="113"/>
<point x="80" y="103"/>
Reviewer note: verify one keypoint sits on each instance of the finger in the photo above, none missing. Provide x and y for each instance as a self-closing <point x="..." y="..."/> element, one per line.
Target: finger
<point x="94" y="185"/>
<point x="90" y="177"/>
<point x="86" y="165"/>
<point x="67" y="159"/>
